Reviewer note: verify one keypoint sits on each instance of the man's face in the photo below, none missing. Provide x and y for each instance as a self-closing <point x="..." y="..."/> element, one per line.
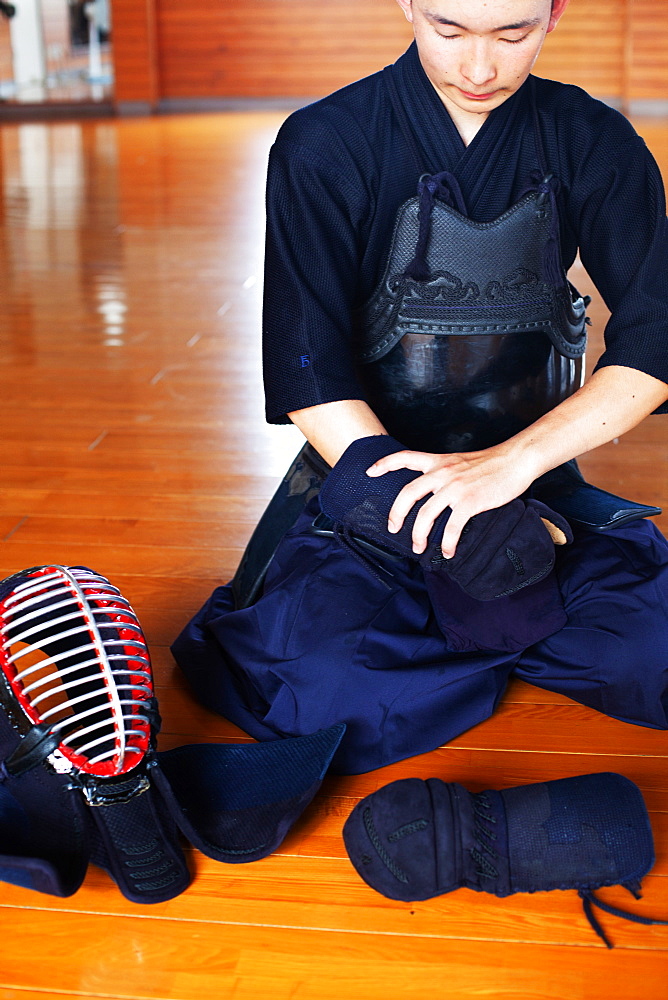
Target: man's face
<point x="477" y="53"/>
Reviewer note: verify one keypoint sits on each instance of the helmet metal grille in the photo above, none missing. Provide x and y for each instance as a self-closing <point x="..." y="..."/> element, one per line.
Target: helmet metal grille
<point x="74" y="656"/>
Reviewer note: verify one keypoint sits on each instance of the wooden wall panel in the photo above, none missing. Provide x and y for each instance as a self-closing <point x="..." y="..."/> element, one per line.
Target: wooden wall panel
<point x="6" y="64"/>
<point x="134" y="52"/>
<point x="279" y="48"/>
<point x="648" y="73"/>
<point x="275" y="48"/>
<point x="300" y="48"/>
<point x="587" y="47"/>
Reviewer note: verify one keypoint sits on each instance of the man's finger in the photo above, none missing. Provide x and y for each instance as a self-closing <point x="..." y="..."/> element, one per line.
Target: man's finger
<point x="453" y="530"/>
<point x="417" y="461"/>
<point x="424" y="521"/>
<point x="405" y="500"/>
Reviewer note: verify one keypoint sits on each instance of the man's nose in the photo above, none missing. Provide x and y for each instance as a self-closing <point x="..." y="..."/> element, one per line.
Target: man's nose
<point x="478" y="65"/>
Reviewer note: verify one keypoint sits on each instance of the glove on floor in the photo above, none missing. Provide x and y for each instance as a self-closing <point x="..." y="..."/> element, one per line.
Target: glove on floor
<point x="416" y="839"/>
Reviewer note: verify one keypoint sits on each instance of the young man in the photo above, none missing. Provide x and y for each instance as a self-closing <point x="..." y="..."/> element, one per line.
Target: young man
<point x="367" y="333"/>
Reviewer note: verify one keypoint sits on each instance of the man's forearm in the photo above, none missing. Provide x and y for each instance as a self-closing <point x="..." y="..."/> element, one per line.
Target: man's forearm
<point x="612" y="402"/>
<point x="331" y="427"/>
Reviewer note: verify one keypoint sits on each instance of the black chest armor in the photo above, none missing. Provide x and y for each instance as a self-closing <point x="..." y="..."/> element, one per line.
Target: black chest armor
<point x="474" y="330"/>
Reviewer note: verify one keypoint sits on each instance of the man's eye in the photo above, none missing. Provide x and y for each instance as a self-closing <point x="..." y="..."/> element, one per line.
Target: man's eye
<point x="513" y="41"/>
<point x="449" y="38"/>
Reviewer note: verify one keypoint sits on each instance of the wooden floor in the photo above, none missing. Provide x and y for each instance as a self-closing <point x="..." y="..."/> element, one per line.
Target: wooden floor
<point x="133" y="442"/>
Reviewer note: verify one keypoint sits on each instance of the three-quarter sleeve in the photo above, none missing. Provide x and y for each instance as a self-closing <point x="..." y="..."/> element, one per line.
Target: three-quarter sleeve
<point x="623" y="236"/>
<point x="312" y="261"/>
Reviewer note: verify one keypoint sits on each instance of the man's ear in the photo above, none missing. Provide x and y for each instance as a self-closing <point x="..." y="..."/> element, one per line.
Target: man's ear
<point x="407" y="7"/>
<point x="558" y="8"/>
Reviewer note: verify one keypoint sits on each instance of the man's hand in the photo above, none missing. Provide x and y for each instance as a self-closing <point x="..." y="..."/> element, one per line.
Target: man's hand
<point x="614" y="400"/>
<point x="468" y="483"/>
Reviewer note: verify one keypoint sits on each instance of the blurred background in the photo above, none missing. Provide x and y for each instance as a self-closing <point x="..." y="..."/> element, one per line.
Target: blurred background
<point x="137" y="56"/>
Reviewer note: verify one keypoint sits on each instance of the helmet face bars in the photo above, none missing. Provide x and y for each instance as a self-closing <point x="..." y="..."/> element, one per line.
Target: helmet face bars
<point x="74" y="658"/>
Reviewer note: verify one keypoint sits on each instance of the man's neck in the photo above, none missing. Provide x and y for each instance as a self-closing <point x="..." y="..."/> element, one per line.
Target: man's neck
<point x="468" y="125"/>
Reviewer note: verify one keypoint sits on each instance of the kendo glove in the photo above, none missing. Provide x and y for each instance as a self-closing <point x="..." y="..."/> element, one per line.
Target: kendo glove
<point x="500" y="551"/>
<point x="416" y="839"/>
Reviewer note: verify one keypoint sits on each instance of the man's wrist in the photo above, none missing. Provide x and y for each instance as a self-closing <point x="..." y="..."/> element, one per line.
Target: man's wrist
<point x="525" y="455"/>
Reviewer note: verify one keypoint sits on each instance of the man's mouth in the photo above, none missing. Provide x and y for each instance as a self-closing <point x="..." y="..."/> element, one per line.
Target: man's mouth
<point x="477" y="97"/>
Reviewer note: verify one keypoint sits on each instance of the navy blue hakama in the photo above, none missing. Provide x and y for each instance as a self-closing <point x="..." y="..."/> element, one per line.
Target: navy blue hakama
<point x="328" y="641"/>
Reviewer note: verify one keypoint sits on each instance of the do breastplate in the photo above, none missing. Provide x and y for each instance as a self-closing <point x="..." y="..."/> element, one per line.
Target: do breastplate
<point x="474" y="330"/>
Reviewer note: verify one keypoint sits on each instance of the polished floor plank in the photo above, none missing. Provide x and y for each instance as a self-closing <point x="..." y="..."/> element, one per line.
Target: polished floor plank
<point x="21" y="994"/>
<point x="180" y="481"/>
<point x="123" y="532"/>
<point x="175" y="507"/>
<point x="277" y="962"/>
<point x="337" y="899"/>
<point x="210" y="563"/>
